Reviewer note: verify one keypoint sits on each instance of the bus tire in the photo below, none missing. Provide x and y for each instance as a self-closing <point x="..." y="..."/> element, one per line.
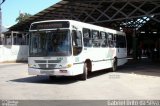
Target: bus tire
<point x="114" y="65"/>
<point x="85" y="72"/>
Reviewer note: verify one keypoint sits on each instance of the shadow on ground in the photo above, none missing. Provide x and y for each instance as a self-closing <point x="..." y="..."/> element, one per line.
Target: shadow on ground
<point x="58" y="80"/>
<point x="144" y="66"/>
<point x="46" y="80"/>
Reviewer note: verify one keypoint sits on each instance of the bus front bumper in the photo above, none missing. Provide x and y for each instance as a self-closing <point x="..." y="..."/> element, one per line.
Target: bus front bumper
<point x="54" y="72"/>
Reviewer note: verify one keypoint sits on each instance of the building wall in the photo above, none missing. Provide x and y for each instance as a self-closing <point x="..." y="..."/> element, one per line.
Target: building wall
<point x="12" y="53"/>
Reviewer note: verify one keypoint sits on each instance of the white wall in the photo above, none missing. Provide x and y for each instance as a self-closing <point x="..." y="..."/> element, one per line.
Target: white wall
<point x="10" y="53"/>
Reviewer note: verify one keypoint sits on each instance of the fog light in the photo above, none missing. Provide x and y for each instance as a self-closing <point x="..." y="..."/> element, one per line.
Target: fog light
<point x="31" y="65"/>
<point x="69" y="65"/>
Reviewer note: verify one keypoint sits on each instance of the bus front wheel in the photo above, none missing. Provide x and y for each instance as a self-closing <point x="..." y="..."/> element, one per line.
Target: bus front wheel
<point x="85" y="72"/>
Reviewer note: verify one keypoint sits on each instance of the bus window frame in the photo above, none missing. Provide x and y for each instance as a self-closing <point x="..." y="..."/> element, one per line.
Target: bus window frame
<point x="110" y="40"/>
<point x="104" y="39"/>
<point x="95" y="40"/>
<point x="89" y="38"/>
<point x="121" y="41"/>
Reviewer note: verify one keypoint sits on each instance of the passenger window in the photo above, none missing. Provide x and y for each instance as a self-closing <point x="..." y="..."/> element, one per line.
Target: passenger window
<point x="110" y="40"/>
<point x="114" y="40"/>
<point x="95" y="38"/>
<point x="104" y="41"/>
<point x="87" y="38"/>
<point x="121" y="41"/>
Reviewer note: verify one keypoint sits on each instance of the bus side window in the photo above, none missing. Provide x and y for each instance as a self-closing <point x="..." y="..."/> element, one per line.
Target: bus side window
<point x="76" y="42"/>
<point x="110" y="40"/>
<point x="124" y="41"/>
<point x="118" y="41"/>
<point x="121" y="41"/>
<point x="104" y="41"/>
<point x="87" y="38"/>
<point x="115" y="40"/>
<point x="95" y="38"/>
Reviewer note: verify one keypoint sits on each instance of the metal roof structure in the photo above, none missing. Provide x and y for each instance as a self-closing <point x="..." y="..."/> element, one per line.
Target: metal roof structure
<point x="109" y="13"/>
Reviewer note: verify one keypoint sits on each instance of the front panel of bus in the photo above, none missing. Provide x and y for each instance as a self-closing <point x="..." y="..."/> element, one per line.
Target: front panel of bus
<point x="50" y="49"/>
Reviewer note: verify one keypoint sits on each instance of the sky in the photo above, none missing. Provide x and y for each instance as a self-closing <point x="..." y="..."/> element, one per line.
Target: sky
<point x="12" y="8"/>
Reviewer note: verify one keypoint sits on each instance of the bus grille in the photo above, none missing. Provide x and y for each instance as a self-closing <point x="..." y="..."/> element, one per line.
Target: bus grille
<point x="47" y="64"/>
<point x="47" y="61"/>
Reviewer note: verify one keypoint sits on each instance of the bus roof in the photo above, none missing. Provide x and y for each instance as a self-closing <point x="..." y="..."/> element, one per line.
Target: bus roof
<point x="82" y="24"/>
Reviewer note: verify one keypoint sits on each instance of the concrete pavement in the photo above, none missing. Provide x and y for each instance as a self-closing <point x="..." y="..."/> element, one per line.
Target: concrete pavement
<point x="134" y="81"/>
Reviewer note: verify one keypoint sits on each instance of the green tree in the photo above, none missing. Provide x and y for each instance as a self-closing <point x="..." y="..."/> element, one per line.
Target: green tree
<point x="22" y="17"/>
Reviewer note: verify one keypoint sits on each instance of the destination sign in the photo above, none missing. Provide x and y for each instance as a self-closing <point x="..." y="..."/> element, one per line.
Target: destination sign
<point x="50" y="25"/>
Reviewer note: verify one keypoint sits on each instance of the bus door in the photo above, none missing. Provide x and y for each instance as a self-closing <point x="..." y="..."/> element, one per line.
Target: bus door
<point x="76" y="42"/>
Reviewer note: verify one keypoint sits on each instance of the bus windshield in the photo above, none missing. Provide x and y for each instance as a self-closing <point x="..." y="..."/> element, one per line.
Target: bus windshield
<point x="50" y="43"/>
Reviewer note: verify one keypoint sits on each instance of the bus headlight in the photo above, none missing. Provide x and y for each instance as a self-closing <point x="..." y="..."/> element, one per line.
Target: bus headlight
<point x="31" y="65"/>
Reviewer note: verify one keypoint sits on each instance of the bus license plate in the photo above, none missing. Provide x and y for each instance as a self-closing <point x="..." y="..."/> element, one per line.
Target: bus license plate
<point x="47" y="72"/>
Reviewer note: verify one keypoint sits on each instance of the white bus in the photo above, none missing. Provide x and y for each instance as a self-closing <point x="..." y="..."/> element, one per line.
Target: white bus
<point x="69" y="48"/>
